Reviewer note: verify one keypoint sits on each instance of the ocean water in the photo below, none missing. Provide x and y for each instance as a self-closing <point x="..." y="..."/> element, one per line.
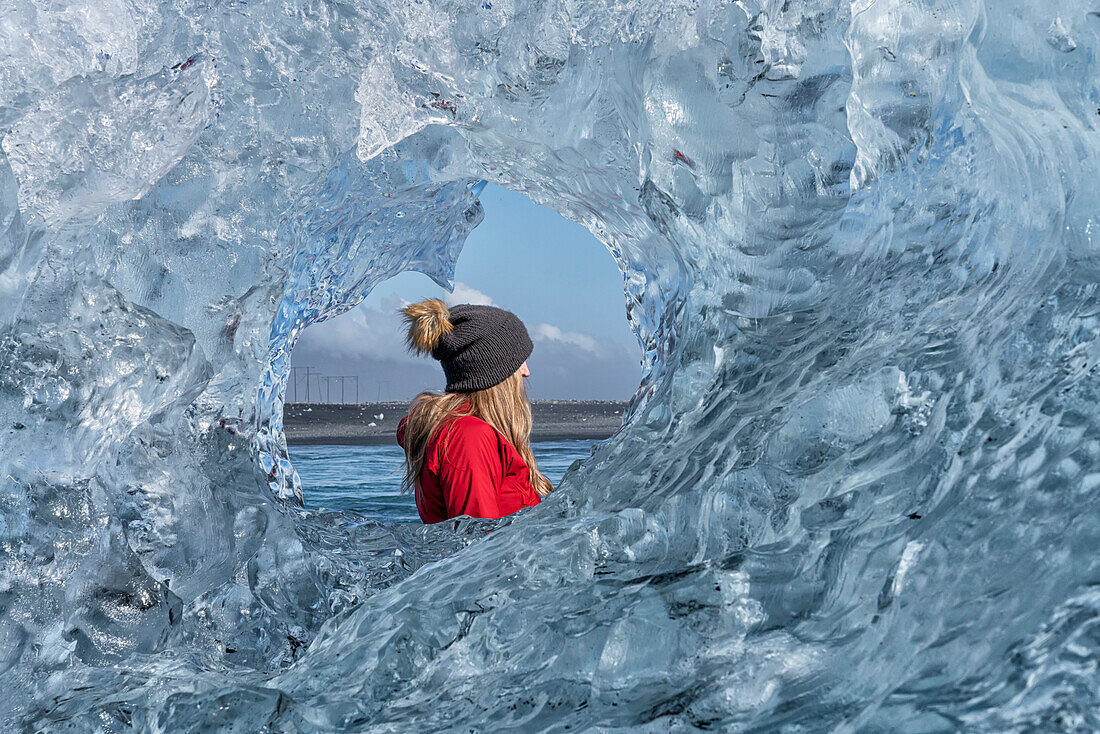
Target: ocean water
<point x="367" y="479"/>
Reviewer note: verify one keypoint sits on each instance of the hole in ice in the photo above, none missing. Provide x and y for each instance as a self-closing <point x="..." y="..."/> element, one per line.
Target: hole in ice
<point x="351" y="376"/>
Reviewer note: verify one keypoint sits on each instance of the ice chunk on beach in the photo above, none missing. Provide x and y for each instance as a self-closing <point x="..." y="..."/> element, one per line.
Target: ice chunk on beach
<point x="857" y="488"/>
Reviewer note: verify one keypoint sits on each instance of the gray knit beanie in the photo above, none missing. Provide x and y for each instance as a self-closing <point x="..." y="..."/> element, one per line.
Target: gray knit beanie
<point x="478" y="346"/>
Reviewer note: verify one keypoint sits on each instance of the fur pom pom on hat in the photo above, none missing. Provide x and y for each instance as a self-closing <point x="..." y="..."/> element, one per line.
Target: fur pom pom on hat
<point x="478" y="346"/>
<point x="428" y="321"/>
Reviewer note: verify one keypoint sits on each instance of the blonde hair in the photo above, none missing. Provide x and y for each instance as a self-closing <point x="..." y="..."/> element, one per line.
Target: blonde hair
<point x="503" y="406"/>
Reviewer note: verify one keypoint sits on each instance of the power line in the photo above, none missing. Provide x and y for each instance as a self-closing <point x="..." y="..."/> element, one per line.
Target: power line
<point x="308" y="374"/>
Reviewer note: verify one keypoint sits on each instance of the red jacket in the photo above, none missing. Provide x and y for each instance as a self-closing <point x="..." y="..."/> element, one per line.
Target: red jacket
<point x="470" y="469"/>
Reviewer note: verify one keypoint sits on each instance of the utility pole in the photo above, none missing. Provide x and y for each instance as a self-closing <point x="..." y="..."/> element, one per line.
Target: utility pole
<point x="295" y="380"/>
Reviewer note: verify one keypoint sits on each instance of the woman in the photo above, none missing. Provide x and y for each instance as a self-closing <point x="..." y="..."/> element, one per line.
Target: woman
<point x="467" y="450"/>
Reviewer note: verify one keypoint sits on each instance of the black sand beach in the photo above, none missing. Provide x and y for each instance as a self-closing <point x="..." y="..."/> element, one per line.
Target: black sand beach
<point x="360" y="425"/>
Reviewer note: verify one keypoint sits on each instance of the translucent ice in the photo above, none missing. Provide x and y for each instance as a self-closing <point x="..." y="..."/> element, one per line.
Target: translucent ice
<point x="857" y="490"/>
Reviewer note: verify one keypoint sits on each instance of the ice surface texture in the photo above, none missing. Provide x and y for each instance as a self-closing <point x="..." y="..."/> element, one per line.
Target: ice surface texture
<point x="858" y="488"/>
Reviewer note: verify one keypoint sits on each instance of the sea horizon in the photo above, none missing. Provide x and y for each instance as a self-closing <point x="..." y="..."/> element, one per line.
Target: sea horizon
<point x="375" y="423"/>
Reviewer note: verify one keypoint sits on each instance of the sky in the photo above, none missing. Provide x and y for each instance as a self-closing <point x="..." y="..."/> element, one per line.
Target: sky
<point x="525" y="258"/>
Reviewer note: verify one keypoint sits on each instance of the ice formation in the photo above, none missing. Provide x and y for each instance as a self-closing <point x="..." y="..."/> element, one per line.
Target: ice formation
<point x="857" y="489"/>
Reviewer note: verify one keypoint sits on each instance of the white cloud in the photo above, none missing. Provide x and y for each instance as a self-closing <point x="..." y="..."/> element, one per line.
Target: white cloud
<point x="549" y="332"/>
<point x="464" y="293"/>
<point x="361" y="333"/>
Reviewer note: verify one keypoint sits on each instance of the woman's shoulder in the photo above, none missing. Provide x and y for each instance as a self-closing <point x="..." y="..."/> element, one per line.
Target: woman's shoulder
<point x="465" y="438"/>
<point x="469" y="428"/>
